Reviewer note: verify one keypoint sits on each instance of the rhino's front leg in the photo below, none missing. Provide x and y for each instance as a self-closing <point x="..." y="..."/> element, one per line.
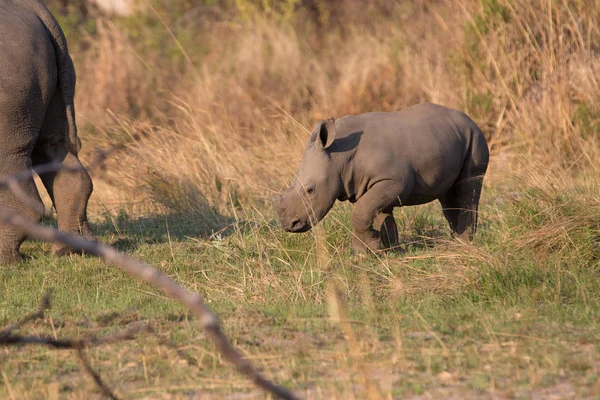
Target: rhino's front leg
<point x="381" y="196"/>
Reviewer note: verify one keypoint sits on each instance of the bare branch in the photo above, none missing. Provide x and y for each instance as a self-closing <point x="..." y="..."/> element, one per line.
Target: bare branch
<point x="193" y="301"/>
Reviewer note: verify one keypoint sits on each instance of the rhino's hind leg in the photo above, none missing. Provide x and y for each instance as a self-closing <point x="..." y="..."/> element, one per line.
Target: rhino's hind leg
<point x="460" y="206"/>
<point x="69" y="191"/>
<point x="468" y="192"/>
<point x="72" y="191"/>
<point x="388" y="230"/>
<point x="382" y="196"/>
<point x="462" y="200"/>
<point x="70" y="188"/>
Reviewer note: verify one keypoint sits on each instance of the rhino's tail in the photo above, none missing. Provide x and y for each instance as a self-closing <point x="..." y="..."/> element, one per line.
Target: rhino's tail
<point x="66" y="70"/>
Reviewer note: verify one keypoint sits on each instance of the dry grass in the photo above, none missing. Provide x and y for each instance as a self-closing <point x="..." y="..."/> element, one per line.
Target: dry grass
<point x="228" y="116"/>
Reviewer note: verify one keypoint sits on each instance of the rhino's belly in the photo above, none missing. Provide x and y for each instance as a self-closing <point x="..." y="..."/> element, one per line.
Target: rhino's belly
<point x="417" y="199"/>
<point x="432" y="183"/>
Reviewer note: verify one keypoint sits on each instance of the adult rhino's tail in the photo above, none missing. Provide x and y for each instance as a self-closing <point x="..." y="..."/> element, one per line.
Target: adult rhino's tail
<point x="66" y="70"/>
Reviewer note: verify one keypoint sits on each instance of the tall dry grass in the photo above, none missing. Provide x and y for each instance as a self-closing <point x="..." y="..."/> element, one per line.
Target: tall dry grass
<point x="213" y="105"/>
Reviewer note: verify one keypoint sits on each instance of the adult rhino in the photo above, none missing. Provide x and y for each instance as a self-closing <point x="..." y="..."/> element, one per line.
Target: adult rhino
<point x="384" y="160"/>
<point x="37" y="120"/>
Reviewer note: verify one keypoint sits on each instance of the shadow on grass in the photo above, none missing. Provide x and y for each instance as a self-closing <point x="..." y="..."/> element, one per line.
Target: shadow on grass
<point x="128" y="233"/>
<point x="422" y="239"/>
<point x="164" y="228"/>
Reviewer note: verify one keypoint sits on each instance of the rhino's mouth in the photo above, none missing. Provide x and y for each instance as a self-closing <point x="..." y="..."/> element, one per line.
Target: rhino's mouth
<point x="297" y="226"/>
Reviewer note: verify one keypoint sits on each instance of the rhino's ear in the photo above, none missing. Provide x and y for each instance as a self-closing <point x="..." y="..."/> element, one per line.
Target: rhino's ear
<point x="326" y="133"/>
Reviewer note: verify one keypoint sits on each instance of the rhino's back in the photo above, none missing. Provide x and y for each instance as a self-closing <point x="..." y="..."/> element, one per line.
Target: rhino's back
<point x="420" y="127"/>
<point x="27" y="58"/>
<point x="426" y="143"/>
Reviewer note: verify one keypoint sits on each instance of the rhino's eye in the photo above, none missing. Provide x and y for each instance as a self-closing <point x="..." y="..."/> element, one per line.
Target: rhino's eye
<point x="310" y="190"/>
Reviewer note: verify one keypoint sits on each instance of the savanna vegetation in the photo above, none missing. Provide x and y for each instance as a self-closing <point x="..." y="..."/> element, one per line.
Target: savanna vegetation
<point x="208" y="106"/>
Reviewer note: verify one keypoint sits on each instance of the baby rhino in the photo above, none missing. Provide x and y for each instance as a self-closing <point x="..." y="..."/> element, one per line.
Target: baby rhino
<point x="384" y="160"/>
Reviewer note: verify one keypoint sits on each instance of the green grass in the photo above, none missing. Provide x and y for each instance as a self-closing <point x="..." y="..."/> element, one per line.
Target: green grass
<point x="441" y="317"/>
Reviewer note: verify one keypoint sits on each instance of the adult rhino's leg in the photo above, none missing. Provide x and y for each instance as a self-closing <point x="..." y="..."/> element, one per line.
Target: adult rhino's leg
<point x="468" y="192"/>
<point x="16" y="158"/>
<point x="467" y="188"/>
<point x="69" y="188"/>
<point x="460" y="206"/>
<point x="10" y="238"/>
<point x="382" y="196"/>
<point x="386" y="225"/>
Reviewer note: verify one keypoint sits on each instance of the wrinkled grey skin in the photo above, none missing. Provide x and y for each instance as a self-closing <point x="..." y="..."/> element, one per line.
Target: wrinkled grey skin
<point x="384" y="160"/>
<point x="37" y="119"/>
